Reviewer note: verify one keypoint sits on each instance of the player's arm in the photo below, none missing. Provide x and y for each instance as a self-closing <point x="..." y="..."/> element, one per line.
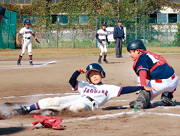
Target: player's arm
<point x="143" y="77"/>
<point x="73" y="79"/>
<point x="115" y="34"/>
<point x="131" y="89"/>
<point x="17" y="38"/>
<point x="98" y="38"/>
<point x="107" y="40"/>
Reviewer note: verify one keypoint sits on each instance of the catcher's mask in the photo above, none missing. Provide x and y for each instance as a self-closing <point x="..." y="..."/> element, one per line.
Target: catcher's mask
<point x="27" y="21"/>
<point x="94" y="66"/>
<point x="136" y="44"/>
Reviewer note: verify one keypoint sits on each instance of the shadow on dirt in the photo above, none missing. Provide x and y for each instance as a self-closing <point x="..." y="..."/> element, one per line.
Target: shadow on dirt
<point x="11" y="130"/>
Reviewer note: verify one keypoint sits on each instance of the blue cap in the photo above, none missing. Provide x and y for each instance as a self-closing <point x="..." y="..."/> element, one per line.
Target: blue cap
<point x="2" y="12"/>
<point x="27" y="21"/>
<point x="103" y="23"/>
<point x="119" y="21"/>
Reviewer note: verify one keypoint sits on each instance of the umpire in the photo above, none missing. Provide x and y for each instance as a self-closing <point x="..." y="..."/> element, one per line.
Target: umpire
<point x="119" y="35"/>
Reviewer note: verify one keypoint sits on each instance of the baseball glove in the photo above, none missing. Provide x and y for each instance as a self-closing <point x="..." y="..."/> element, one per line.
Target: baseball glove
<point x="48" y="122"/>
<point x="37" y="41"/>
<point x="143" y="100"/>
<point x="100" y="41"/>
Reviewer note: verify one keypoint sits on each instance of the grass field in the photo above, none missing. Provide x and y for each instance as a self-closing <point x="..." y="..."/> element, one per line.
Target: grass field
<point x="79" y="51"/>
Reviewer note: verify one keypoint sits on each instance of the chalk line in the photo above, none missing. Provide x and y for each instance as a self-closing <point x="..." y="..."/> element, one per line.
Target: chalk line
<point x="36" y="65"/>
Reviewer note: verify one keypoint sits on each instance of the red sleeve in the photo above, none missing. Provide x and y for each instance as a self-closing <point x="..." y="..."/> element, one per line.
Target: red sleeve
<point x="143" y="76"/>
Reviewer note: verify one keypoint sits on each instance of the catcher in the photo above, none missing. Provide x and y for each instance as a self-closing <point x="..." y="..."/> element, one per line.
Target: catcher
<point x="92" y="95"/>
<point x="26" y="32"/>
<point x="151" y="66"/>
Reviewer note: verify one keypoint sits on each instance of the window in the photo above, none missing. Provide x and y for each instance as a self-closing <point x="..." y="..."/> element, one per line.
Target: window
<point x="162" y="18"/>
<point x="178" y="17"/>
<point x="153" y="18"/>
<point x="172" y="18"/>
<point x="83" y="19"/>
<point x="63" y="19"/>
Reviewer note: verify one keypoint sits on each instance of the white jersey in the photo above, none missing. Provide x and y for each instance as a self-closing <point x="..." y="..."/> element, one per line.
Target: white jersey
<point x="102" y="34"/>
<point x="100" y="93"/>
<point x="26" y="32"/>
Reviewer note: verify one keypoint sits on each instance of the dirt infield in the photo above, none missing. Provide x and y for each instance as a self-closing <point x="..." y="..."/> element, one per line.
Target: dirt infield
<point x="49" y="76"/>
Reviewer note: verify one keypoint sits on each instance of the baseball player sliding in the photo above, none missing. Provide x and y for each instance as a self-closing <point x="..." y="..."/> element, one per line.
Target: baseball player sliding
<point x="92" y="95"/>
<point x="101" y="36"/>
<point x="155" y="68"/>
<point x="26" y="32"/>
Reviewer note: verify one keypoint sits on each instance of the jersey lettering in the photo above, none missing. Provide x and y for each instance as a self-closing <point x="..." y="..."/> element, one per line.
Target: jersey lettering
<point x="86" y="90"/>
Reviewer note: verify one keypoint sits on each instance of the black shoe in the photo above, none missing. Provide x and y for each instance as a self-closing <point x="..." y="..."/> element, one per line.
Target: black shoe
<point x="99" y="61"/>
<point x="167" y="100"/>
<point x="18" y="63"/>
<point x="31" y="63"/>
<point x="105" y="60"/>
<point x="20" y="111"/>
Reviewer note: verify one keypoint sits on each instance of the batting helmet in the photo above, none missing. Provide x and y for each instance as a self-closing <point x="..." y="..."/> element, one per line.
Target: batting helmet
<point x="104" y="23"/>
<point x="27" y="21"/>
<point x="136" y="44"/>
<point x="94" y="66"/>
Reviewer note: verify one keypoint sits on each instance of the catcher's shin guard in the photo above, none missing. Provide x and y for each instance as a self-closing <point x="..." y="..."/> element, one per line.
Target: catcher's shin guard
<point x="143" y="100"/>
<point x="166" y="100"/>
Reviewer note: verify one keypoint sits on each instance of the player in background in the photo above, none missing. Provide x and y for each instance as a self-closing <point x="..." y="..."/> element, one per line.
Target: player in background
<point x="155" y="68"/>
<point x="101" y="36"/>
<point x="93" y="94"/>
<point x="26" y="32"/>
<point x="2" y="14"/>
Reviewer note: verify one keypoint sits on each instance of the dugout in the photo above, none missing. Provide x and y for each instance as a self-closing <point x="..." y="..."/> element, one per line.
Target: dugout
<point x="8" y="30"/>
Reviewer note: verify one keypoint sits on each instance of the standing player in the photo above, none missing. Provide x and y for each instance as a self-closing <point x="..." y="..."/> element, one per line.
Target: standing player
<point x="119" y="36"/>
<point x="151" y="66"/>
<point x="26" y="32"/>
<point x="92" y="95"/>
<point x="101" y="36"/>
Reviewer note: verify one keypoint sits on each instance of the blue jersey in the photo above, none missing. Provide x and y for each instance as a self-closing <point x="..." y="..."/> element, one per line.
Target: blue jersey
<point x="155" y="65"/>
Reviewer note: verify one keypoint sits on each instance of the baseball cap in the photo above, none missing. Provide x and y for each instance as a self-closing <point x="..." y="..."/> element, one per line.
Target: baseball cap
<point x="119" y="21"/>
<point x="2" y="12"/>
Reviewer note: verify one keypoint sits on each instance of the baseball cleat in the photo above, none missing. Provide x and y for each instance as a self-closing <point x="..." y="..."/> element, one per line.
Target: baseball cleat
<point x="31" y="63"/>
<point x="167" y="101"/>
<point x="99" y="61"/>
<point x="20" y="111"/>
<point x="18" y="63"/>
<point x="105" y="61"/>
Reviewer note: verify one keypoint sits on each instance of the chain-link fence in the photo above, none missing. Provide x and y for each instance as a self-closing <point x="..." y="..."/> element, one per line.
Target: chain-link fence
<point x="79" y="31"/>
<point x="8" y="30"/>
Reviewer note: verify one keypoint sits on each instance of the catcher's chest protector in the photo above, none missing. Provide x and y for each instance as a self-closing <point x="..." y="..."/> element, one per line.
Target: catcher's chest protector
<point x="48" y="122"/>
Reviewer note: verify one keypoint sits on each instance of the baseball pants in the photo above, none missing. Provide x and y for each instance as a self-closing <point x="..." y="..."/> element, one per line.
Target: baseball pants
<point x="103" y="48"/>
<point x="25" y="43"/>
<point x="118" y="47"/>
<point x="163" y="86"/>
<point x="74" y="103"/>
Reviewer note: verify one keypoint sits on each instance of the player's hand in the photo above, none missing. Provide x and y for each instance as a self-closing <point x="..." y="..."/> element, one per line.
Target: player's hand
<point x="124" y="39"/>
<point x="82" y="71"/>
<point x="17" y="42"/>
<point x="148" y="88"/>
<point x="114" y="40"/>
<point x="108" y="42"/>
<point x="100" y="41"/>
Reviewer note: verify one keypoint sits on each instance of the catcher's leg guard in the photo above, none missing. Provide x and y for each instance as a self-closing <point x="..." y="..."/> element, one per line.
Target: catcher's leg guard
<point x="143" y="100"/>
<point x="166" y="100"/>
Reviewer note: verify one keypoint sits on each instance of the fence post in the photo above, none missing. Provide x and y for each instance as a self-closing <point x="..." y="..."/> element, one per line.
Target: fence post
<point x="167" y="39"/>
<point x="49" y="39"/>
<point x="73" y="38"/>
<point x="57" y="29"/>
<point x="96" y="31"/>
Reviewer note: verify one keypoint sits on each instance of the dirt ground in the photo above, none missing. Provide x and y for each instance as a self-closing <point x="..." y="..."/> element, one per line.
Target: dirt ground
<point x="49" y="76"/>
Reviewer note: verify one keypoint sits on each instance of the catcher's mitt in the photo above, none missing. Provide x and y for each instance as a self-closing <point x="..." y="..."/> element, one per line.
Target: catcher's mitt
<point x="37" y="41"/>
<point x="143" y="100"/>
<point x="48" y="122"/>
